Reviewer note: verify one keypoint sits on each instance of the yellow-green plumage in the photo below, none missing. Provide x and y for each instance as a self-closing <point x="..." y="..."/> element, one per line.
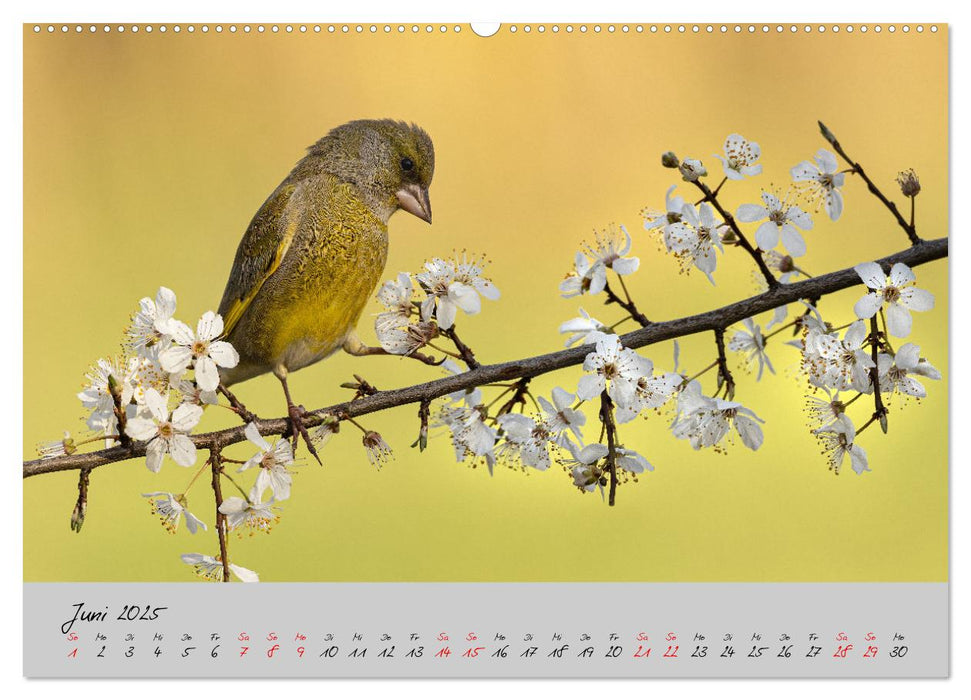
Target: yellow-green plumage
<point x="314" y="253"/>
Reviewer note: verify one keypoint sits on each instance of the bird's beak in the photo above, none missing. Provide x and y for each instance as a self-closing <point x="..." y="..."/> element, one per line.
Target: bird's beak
<point x="414" y="200"/>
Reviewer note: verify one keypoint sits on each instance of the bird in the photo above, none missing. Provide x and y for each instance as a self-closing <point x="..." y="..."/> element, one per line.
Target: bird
<point x="316" y="250"/>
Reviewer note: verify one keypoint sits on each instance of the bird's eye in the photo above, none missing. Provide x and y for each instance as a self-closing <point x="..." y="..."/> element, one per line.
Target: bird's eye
<point x="407" y="164"/>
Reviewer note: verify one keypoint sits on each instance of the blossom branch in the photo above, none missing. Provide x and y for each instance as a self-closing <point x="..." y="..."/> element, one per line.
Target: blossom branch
<point x="217" y="467"/>
<point x="879" y="410"/>
<point x="724" y="374"/>
<point x="778" y="295"/>
<point x="712" y="197"/>
<point x="607" y="418"/>
<point x="856" y="168"/>
<point x="627" y="304"/>
<point x="468" y="357"/>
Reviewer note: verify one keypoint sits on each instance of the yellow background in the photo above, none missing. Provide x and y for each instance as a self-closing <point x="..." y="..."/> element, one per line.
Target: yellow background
<point x="146" y="155"/>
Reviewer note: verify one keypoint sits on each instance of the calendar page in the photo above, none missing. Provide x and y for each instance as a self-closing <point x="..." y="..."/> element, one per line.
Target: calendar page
<point x="560" y="350"/>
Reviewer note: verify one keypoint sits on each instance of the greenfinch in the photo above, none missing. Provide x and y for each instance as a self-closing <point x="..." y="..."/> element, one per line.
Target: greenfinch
<point x="316" y="250"/>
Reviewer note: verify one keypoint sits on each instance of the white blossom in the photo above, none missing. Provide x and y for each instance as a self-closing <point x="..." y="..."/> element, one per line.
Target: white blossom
<point x="526" y="440"/>
<point x="149" y="331"/>
<point x="610" y="250"/>
<point x="191" y="393"/>
<point x="674" y="206"/>
<point x="57" y="448"/>
<point x="210" y="568"/>
<point x="97" y="394"/>
<point x="824" y="413"/>
<point x="378" y="451"/>
<point x="751" y="342"/>
<point x="170" y="509"/>
<point x="586" y="278"/>
<point x="692" y="169"/>
<point x="614" y="368"/>
<point x="824" y="182"/>
<point x="272" y="461"/>
<point x="740" y="158"/>
<point x="201" y="350"/>
<point x="838" y="441"/>
<point x="560" y="416"/>
<point x="452" y="285"/>
<point x="896" y="371"/>
<point x="165" y="434"/>
<point x="650" y="392"/>
<point x="252" y="514"/>
<point x="693" y="239"/>
<point x="781" y="220"/>
<point x="471" y="437"/>
<point x="584" y="466"/>
<point x="704" y="420"/>
<point x="896" y="291"/>
<point x="584" y="329"/>
<point x="839" y="364"/>
<point x="631" y="461"/>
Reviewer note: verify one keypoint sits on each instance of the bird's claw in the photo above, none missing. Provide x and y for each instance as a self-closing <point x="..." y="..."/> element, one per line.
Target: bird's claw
<point x="299" y="430"/>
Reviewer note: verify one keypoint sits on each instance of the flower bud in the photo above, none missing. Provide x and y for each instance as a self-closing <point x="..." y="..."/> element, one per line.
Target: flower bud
<point x="909" y="184"/>
<point x="77" y="517"/>
<point x="692" y="169"/>
<point x="827" y="134"/>
<point x="669" y="159"/>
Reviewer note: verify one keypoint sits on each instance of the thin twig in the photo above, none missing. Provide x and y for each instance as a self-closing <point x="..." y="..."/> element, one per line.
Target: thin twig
<point x="607" y="418"/>
<point x="724" y="374"/>
<point x="909" y="229"/>
<point x="742" y="240"/>
<point x="468" y="357"/>
<point x="879" y="410"/>
<point x="627" y="304"/>
<point x="214" y="458"/>
<point x="657" y="332"/>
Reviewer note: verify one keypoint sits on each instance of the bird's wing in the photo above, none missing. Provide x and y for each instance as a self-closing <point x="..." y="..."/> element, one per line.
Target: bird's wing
<point x="260" y="253"/>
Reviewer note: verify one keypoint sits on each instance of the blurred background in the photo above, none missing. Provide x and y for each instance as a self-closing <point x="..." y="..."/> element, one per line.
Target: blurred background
<point x="146" y="155"/>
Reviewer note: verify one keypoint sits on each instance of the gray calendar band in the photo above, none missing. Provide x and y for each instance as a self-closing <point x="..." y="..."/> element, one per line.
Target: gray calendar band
<point x="549" y="630"/>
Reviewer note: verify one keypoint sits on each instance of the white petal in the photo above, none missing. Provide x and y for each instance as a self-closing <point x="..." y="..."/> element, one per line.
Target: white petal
<point x="868" y="305"/>
<point x="749" y="431"/>
<point x="625" y="266"/>
<point x="207" y="376"/>
<point x="590" y="386"/>
<point x="898" y="321"/>
<point x="182" y="450"/>
<point x="799" y="218"/>
<point x="175" y="358"/>
<point x="141" y="428"/>
<point x="210" y="326"/>
<point x="858" y="459"/>
<point x="244" y="575"/>
<point x="154" y="453"/>
<point x="186" y="417"/>
<point x="834" y="204"/>
<point x="767" y="235"/>
<point x="164" y="303"/>
<point x="181" y="333"/>
<point x="855" y="335"/>
<point x="465" y="297"/>
<point x="871" y="274"/>
<point x="748" y="213"/>
<point x="806" y="170"/>
<point x="901" y="275"/>
<point x="233" y="505"/>
<point x="591" y="453"/>
<point x="253" y="435"/>
<point x="446" y="313"/>
<point x="793" y="241"/>
<point x="908" y="355"/>
<point x="916" y="299"/>
<point x="223" y="354"/>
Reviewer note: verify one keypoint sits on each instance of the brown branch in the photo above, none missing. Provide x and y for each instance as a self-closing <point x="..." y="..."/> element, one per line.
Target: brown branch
<point x="742" y="240"/>
<point x="879" y="410"/>
<point x="468" y="357"/>
<point x="657" y="332"/>
<point x="724" y="374"/>
<point x="217" y="489"/>
<point x="607" y="418"/>
<point x="909" y="229"/>
<point x="627" y="305"/>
